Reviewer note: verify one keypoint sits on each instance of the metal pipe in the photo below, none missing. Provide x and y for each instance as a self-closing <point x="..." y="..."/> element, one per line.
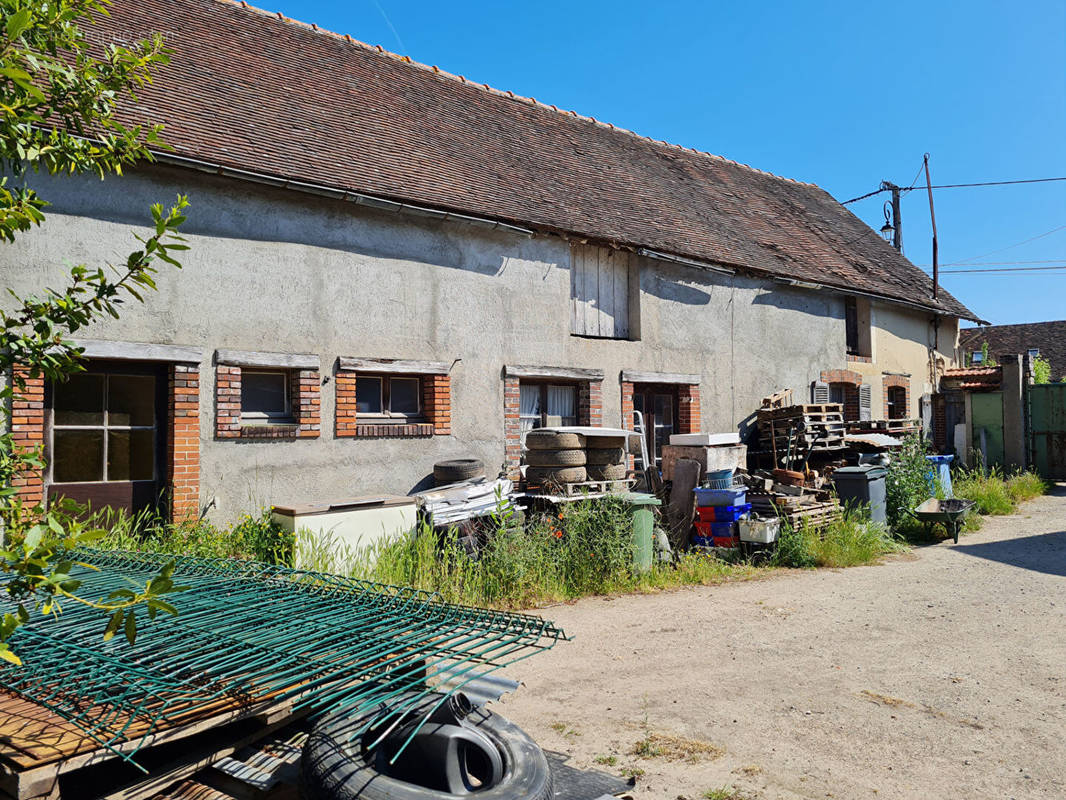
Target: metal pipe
<point x="932" y="217"/>
<point x="689" y="262"/>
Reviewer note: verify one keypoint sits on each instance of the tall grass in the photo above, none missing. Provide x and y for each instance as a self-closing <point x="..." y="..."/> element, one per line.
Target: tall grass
<point x="848" y="541"/>
<point x="250" y="537"/>
<point x="995" y="493"/>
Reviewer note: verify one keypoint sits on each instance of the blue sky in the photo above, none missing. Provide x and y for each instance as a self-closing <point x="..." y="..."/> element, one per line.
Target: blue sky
<point x="840" y="94"/>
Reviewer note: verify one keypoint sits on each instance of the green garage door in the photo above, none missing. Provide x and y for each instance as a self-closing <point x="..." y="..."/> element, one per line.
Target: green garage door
<point x="1047" y="429"/>
<point x="986" y="425"/>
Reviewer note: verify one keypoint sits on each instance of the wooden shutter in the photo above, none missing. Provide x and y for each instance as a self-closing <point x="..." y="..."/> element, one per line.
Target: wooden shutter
<point x="599" y="292"/>
<point x="819" y="392"/>
<point x="865" y="402"/>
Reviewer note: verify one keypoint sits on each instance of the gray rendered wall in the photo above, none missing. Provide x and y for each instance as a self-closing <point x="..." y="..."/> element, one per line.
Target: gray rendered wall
<point x="274" y="270"/>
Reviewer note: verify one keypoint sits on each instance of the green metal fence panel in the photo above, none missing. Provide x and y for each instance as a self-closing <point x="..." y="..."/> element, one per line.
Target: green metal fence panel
<point x="1047" y="429"/>
<point x="986" y="425"/>
<point x="250" y="633"/>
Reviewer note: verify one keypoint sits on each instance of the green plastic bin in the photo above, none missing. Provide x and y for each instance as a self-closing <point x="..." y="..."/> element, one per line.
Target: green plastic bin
<point x="643" y="528"/>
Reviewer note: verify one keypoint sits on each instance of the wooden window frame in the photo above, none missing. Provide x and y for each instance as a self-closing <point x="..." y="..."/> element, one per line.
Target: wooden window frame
<point x="158" y="421"/>
<point x="544" y="383"/>
<point x="385" y="398"/>
<point x="267" y="417"/>
<point x="899" y="392"/>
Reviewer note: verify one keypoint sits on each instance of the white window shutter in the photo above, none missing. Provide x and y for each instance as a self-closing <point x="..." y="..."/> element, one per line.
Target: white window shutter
<point x="865" y="402"/>
<point x="819" y="392"/>
<point x="599" y="292"/>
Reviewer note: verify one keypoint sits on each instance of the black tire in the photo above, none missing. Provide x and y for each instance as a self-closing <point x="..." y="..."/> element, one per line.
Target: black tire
<point x="608" y="455"/>
<point x="550" y="440"/>
<point x="555" y="475"/>
<point x="607" y="472"/>
<point x="555" y="458"/>
<point x="458" y="469"/>
<point x="335" y="767"/>
<point x="605" y="442"/>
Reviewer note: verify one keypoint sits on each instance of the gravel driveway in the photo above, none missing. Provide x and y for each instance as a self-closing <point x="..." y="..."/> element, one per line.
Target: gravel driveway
<point x="939" y="674"/>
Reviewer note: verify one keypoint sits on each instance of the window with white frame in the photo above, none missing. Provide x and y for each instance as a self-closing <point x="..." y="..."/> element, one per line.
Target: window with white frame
<point x="977" y="357"/>
<point x="543" y="404"/>
<point x="389" y="397"/>
<point x="265" y="396"/>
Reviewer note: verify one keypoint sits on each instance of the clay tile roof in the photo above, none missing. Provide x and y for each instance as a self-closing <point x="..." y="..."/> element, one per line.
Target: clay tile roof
<point x="259" y="92"/>
<point x="973" y="372"/>
<point x="1047" y="337"/>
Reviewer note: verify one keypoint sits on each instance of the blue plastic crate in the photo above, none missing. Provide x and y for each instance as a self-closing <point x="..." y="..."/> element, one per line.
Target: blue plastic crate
<point x="721" y="497"/>
<point x="723" y="513"/>
<point x="718" y="479"/>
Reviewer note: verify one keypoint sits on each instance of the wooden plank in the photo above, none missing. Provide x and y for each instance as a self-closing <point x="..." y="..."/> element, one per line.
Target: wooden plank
<point x="635" y="376"/>
<point x="592" y="321"/>
<point x="623" y="264"/>
<point x="604" y="293"/>
<point x="37" y="746"/>
<point x="566" y="373"/>
<point x="246" y="358"/>
<point x="139" y="351"/>
<point x="393" y="366"/>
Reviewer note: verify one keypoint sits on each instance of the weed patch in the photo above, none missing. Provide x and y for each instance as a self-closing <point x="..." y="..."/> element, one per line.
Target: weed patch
<point x="848" y="541"/>
<point x="671" y="747"/>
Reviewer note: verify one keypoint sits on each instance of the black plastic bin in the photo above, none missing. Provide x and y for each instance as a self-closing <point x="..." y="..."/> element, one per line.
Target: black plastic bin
<point x="863" y="485"/>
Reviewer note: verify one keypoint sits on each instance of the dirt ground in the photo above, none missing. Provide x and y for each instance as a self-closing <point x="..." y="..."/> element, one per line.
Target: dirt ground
<point x="938" y="674"/>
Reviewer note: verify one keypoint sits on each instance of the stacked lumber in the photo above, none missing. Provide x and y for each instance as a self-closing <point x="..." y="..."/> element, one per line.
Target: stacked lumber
<point x="821" y="427"/>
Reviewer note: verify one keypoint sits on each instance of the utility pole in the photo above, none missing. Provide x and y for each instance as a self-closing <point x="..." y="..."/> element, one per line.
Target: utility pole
<point x="897" y="221"/>
<point x="932" y="217"/>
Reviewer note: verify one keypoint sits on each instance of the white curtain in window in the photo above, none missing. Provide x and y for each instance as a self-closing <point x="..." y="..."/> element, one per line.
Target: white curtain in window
<point x="562" y="403"/>
<point x="529" y="406"/>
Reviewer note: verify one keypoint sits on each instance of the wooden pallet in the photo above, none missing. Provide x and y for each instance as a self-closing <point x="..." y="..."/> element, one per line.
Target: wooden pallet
<point x="810" y="512"/>
<point x="584" y="487"/>
<point x="800" y="411"/>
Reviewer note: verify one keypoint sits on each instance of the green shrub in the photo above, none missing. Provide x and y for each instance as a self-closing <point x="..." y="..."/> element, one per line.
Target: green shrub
<point x="1041" y="370"/>
<point x="907" y="482"/>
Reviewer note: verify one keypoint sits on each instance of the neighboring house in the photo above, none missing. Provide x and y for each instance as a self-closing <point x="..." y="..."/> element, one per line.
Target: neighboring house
<point x="391" y="265"/>
<point x="1044" y="339"/>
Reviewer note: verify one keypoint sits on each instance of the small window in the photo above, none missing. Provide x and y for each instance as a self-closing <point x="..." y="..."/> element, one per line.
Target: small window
<point x="1034" y="352"/>
<point x="388" y="396"/>
<point x="897" y="402"/>
<point x="265" y="395"/>
<point x="977" y="357"/>
<point x="546" y="405"/>
<point x="857" y="327"/>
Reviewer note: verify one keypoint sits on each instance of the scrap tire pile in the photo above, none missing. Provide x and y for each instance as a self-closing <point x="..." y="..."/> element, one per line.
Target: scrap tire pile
<point x="554" y="459"/>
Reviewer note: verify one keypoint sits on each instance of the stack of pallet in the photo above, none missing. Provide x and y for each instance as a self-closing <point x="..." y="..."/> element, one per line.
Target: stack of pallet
<point x="807" y="509"/>
<point x="814" y="427"/>
<point x="891" y="427"/>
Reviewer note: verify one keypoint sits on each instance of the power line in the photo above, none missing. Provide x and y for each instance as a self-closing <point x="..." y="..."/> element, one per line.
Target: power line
<point x="996" y="263"/>
<point x="1003" y="270"/>
<point x="959" y="186"/>
<point x="1012" y="246"/>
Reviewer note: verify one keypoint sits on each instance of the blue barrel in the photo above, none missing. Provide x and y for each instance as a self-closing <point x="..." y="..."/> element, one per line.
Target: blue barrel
<point x="940" y="469"/>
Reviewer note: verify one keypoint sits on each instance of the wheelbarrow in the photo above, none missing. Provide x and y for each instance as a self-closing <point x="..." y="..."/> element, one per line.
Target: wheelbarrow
<point x="948" y="512"/>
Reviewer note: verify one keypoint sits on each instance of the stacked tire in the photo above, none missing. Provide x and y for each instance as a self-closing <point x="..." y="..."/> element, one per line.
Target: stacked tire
<point x="605" y="458"/>
<point x="554" y="459"/>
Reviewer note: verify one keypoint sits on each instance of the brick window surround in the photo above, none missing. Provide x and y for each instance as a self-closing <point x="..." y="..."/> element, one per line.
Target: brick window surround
<point x="304" y="395"/>
<point x="689" y="416"/>
<point x="182" y="475"/>
<point x="889" y="381"/>
<point x="27" y="431"/>
<point x="589" y="403"/>
<point x="183" y="441"/>
<point x="436" y="385"/>
<point x="851" y="382"/>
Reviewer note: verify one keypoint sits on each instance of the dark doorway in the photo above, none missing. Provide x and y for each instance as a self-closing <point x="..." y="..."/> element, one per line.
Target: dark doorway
<point x="659" y="405"/>
<point x="106" y="437"/>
